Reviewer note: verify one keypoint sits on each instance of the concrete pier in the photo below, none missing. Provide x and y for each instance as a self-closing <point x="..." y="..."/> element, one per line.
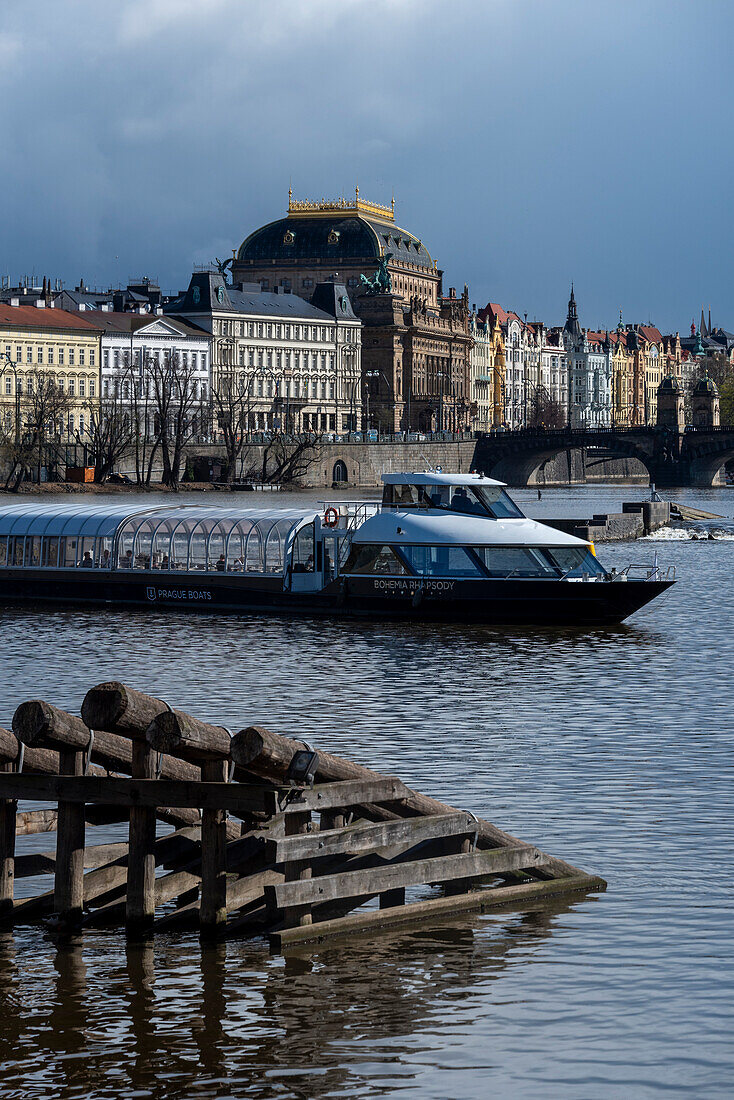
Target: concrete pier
<point x="636" y="519"/>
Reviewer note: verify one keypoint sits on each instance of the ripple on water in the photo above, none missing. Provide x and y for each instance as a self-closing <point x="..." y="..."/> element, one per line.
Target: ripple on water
<point x="609" y="748"/>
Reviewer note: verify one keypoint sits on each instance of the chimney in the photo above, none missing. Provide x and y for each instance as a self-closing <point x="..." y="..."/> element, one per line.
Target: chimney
<point x="15" y="301"/>
<point x="40" y="303"/>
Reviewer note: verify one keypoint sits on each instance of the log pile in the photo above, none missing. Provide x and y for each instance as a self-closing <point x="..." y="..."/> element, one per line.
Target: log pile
<point x="269" y="836"/>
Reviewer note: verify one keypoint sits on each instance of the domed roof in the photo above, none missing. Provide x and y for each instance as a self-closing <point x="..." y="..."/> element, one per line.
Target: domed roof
<point x="336" y="231"/>
<point x="669" y="384"/>
<point x="706" y="385"/>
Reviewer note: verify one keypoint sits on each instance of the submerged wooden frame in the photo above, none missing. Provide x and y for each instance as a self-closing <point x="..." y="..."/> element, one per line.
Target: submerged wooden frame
<point x="266" y="869"/>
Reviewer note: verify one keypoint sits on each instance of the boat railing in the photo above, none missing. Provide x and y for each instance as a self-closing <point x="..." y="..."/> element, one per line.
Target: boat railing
<point x="352" y="513"/>
<point x="647" y="572"/>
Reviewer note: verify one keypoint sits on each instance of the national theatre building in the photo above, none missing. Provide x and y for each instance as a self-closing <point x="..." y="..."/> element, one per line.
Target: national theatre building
<point x="415" y="341"/>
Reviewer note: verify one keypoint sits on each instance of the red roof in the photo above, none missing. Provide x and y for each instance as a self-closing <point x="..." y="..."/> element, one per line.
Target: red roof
<point x="33" y="317"/>
<point x="494" y="311"/>
<point x="651" y="334"/>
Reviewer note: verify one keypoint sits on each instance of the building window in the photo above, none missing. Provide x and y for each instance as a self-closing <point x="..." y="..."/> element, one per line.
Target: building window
<point x="18" y="353"/>
<point x="71" y="357"/>
<point x="50" y="356"/>
<point x="308" y="283"/>
<point x="29" y="354"/>
<point x="82" y="388"/>
<point x="71" y="387"/>
<point x="61" y="357"/>
<point x="264" y="284"/>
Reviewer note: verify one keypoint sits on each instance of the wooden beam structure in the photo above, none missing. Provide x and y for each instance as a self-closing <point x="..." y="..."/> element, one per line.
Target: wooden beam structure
<point x="300" y="865"/>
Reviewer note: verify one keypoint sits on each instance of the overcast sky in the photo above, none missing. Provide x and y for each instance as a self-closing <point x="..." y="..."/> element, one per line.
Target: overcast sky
<point x="527" y="142"/>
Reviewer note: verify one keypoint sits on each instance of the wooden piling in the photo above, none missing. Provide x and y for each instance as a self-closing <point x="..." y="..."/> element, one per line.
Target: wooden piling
<point x="8" y="808"/>
<point x="69" y="877"/>
<point x="213" y="907"/>
<point x="140" y="901"/>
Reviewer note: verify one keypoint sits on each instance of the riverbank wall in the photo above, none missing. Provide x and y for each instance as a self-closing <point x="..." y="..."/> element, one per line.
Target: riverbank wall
<point x="636" y="519"/>
<point x="359" y="465"/>
<point x="353" y="466"/>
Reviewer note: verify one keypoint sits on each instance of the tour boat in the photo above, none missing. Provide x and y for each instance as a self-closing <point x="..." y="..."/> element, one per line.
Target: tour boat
<point x="439" y="547"/>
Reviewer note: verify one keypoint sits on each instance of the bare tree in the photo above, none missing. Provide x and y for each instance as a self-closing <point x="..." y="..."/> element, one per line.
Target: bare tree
<point x="544" y="412"/>
<point x="285" y="459"/>
<point x="232" y="403"/>
<point x="110" y="429"/>
<point x="173" y="381"/>
<point x="44" y="410"/>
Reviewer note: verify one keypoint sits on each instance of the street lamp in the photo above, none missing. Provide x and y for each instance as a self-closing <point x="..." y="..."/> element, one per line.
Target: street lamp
<point x="440" y="374"/>
<point x="348" y="351"/>
<point x="377" y="374"/>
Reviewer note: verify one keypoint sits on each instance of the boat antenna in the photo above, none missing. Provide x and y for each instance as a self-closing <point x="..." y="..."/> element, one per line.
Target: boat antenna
<point x="429" y="469"/>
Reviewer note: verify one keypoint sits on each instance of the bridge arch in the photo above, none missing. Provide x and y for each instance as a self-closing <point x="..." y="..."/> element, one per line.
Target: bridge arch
<point x="517" y="457"/>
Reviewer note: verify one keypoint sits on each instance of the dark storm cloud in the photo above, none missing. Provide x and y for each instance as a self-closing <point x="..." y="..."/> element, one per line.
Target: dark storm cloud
<point x="526" y="142"/>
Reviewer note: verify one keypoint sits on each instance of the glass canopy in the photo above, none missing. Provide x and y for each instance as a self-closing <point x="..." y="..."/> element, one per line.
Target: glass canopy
<point x="184" y="538"/>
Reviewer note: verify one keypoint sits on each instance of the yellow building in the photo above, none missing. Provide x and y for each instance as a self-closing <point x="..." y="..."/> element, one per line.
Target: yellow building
<point x="623" y="400"/>
<point x="494" y="317"/>
<point x="39" y="343"/>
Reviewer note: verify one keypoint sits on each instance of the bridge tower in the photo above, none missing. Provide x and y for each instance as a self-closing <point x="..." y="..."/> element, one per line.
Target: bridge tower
<point x="671" y="413"/>
<point x="705" y="404"/>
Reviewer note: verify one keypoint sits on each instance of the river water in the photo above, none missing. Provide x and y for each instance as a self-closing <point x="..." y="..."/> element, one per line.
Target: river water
<point x="611" y="749"/>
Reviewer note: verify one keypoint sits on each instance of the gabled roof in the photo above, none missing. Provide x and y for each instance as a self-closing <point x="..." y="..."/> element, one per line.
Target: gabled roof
<point x="135" y="322"/>
<point x="652" y="335"/>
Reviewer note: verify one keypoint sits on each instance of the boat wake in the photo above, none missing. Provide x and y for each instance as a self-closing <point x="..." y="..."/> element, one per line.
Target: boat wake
<point x="697" y="533"/>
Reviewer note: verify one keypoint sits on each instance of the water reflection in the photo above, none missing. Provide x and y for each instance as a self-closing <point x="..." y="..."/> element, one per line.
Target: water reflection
<point x="611" y="749"/>
<point x="171" y="1018"/>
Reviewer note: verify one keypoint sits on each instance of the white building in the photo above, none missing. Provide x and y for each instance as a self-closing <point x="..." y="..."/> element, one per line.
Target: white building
<point x="589" y="374"/>
<point x="138" y="346"/>
<point x="554" y="367"/>
<point x="300" y="360"/>
<point x="481" y="367"/>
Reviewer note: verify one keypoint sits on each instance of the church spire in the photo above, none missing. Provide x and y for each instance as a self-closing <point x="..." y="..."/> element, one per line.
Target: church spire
<point x="572" y="320"/>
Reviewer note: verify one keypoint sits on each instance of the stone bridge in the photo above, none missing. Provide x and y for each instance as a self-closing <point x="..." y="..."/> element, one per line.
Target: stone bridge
<point x="692" y="457"/>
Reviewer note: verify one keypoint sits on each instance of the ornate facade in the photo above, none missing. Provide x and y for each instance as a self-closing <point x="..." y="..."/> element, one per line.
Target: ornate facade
<point x="415" y="353"/>
<point x="589" y="373"/>
<point x="300" y="360"/>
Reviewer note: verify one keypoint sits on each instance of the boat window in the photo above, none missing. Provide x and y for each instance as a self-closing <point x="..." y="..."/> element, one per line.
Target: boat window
<point x="374" y="559"/>
<point x="68" y="552"/>
<point x="274" y="549"/>
<point x="87" y="547"/>
<point x="254" y="562"/>
<point x="515" y="561"/>
<point x="3" y="551"/>
<point x="303" y="550"/>
<point x="15" y="551"/>
<point x="161" y="546"/>
<point x="441" y="561"/>
<point x="574" y="561"/>
<point x="470" y="500"/>
<point x="497" y="502"/>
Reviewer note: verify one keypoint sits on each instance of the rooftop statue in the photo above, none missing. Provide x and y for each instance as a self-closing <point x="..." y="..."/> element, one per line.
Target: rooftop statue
<point x="223" y="265"/>
<point x="382" y="282"/>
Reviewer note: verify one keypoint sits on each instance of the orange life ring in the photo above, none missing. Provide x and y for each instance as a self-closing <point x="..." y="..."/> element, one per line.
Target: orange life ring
<point x="331" y="518"/>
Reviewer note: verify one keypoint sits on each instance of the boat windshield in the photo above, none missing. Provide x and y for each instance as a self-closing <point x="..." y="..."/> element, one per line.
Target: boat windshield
<point x="549" y="563"/>
<point x="472" y="500"/>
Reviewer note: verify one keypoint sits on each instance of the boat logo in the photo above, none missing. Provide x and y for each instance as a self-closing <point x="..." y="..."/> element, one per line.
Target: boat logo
<point x="150" y="593"/>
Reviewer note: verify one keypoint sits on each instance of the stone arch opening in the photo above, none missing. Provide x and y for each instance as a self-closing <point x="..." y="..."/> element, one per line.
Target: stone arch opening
<point x="339" y="474"/>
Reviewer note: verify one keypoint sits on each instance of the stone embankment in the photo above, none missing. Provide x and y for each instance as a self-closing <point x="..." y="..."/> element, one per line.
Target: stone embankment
<point x="635" y="520"/>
